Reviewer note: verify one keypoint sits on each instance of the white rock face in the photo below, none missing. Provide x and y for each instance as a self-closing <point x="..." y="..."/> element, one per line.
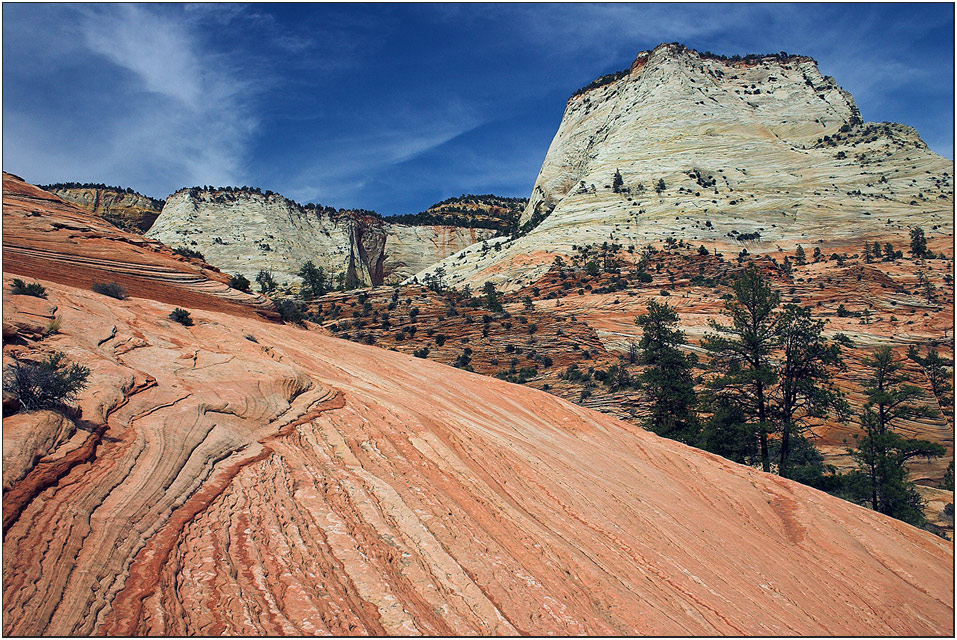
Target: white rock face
<point x="245" y="231"/>
<point x="766" y="146"/>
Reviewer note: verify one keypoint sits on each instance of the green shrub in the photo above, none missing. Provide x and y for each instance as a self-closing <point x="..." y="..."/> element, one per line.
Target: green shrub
<point x="289" y="311"/>
<point x="181" y="316"/>
<point x="35" y="289"/>
<point x="186" y="252"/>
<point x="111" y="289"/>
<point x="46" y="384"/>
<point x="240" y="282"/>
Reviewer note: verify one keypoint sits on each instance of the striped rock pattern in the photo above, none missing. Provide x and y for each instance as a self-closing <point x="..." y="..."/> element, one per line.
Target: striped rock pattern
<point x="244" y="477"/>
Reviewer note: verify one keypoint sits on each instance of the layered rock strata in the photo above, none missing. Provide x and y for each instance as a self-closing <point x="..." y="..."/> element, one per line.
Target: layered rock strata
<point x="246" y="231"/>
<point x="763" y="150"/>
<point x="44" y="237"/>
<point x="246" y="478"/>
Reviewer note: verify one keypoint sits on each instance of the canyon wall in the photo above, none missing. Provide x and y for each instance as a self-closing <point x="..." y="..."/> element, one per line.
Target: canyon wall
<point x="245" y="231"/>
<point x="127" y="210"/>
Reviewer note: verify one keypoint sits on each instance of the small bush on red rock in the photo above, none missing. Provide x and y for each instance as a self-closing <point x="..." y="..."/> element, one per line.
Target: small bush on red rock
<point x="46" y="384"/>
<point x="35" y="289"/>
<point x="181" y="316"/>
<point x="111" y="289"/>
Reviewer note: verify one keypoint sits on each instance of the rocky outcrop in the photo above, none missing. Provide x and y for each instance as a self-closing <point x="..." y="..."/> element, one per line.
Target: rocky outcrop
<point x="44" y="237"/>
<point x="486" y="211"/>
<point x="709" y="150"/>
<point x="246" y="478"/>
<point x="124" y="208"/>
<point x="244" y="231"/>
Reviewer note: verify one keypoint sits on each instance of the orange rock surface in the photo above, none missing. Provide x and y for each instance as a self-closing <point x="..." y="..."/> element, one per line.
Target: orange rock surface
<point x="243" y="477"/>
<point x="44" y="237"/>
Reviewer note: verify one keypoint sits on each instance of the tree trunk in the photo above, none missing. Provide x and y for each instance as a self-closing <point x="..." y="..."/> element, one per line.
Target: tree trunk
<point x="765" y="456"/>
<point x="785" y="442"/>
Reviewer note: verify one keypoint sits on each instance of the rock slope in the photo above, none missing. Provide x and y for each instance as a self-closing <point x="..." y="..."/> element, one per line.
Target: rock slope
<point x="246" y="478"/>
<point x="707" y="149"/>
<point x="44" y="237"/>
<point x="124" y="208"/>
<point x="573" y="319"/>
<point x="243" y="231"/>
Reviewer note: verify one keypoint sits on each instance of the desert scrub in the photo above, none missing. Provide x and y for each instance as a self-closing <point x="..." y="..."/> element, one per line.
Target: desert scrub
<point x="20" y="288"/>
<point x="46" y="384"/>
<point x="181" y="316"/>
<point x="111" y="289"/>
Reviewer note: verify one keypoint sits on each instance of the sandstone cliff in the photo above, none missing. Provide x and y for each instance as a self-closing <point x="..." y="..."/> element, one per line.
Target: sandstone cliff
<point x="715" y="150"/>
<point x="124" y="208"/>
<point x="243" y="231"/>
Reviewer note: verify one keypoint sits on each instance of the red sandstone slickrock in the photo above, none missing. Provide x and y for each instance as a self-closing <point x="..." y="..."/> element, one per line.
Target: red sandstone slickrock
<point x="243" y="477"/>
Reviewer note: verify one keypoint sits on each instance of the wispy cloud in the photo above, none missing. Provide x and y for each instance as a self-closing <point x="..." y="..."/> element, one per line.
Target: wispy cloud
<point x="346" y="160"/>
<point x="197" y="121"/>
<point x="150" y="103"/>
<point x="385" y="106"/>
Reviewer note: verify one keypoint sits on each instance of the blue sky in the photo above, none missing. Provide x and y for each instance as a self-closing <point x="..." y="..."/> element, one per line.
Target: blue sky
<point x="394" y="107"/>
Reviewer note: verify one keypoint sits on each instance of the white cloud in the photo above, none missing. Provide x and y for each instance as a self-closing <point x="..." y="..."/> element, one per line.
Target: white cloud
<point x="344" y="160"/>
<point x="185" y="114"/>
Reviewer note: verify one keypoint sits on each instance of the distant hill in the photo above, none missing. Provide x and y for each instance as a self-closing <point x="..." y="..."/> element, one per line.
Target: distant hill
<point x="245" y="230"/>
<point x="486" y="211"/>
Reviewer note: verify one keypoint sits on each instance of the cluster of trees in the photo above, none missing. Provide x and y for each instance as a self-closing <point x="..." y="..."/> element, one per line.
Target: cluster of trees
<point x="602" y="81"/>
<point x="749" y="57"/>
<point x="435" y="280"/>
<point x="918" y="249"/>
<point x="186" y="252"/>
<point x="486" y="198"/>
<point x="769" y="377"/>
<point x="311" y="207"/>
<point x="447" y="214"/>
<point x="449" y="219"/>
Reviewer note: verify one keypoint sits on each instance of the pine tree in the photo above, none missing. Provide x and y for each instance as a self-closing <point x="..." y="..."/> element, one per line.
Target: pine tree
<point x="667" y="383"/>
<point x="918" y="243"/>
<point x="741" y="353"/>
<point x="928" y="287"/>
<point x="617" y="182"/>
<point x="313" y="280"/>
<point x="265" y="280"/>
<point x="491" y="297"/>
<point x="882" y="454"/>
<point x="800" y="258"/>
<point x="805" y="372"/>
<point x="936" y="370"/>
